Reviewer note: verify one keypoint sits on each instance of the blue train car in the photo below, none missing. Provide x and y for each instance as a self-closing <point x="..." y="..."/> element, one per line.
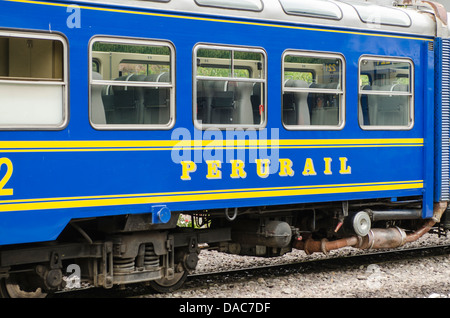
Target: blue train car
<point x="271" y="124"/>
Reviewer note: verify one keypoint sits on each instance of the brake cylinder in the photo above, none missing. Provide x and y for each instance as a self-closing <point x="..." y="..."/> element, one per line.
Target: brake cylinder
<point x="271" y="233"/>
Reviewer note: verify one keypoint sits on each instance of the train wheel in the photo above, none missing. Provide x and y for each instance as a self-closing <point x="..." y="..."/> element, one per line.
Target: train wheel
<point x="164" y="285"/>
<point x="15" y="287"/>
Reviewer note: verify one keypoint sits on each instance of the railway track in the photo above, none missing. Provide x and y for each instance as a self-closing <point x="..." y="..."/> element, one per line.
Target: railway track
<point x="203" y="281"/>
<point x="323" y="264"/>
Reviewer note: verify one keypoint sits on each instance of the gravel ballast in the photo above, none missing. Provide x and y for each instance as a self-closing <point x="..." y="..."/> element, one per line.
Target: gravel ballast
<point x="427" y="277"/>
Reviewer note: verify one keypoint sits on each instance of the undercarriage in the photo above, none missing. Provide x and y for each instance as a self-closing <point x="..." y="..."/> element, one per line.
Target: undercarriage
<point x="120" y="250"/>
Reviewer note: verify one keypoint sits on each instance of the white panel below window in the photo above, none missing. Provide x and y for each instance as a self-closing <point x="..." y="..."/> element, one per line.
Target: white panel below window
<point x="31" y="104"/>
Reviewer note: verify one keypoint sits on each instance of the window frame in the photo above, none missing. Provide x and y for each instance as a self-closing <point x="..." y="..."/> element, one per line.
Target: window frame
<point x="64" y="83"/>
<point x="410" y="93"/>
<point x="341" y="91"/>
<point x="232" y="48"/>
<point x="170" y="85"/>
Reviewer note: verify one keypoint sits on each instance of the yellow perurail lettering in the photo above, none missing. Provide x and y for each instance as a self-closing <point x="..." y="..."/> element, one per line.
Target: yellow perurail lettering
<point x="214" y="169"/>
<point x="286" y="168"/>
<point x="344" y="168"/>
<point x="187" y="168"/>
<point x="237" y="169"/>
<point x="309" y="168"/>
<point x="327" y="170"/>
<point x="262" y="167"/>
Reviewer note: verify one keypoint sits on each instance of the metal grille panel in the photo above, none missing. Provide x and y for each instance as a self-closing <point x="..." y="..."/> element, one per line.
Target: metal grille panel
<point x="445" y="113"/>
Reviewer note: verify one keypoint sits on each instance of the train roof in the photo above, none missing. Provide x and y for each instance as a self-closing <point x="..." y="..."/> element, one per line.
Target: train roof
<point x="409" y="17"/>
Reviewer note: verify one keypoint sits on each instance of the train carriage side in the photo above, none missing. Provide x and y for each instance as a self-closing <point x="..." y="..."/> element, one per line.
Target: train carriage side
<point x="270" y="135"/>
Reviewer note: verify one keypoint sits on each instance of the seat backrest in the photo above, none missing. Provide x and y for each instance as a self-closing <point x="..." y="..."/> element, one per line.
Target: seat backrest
<point x="244" y="110"/>
<point x="97" y="108"/>
<point x="363" y="114"/>
<point x="210" y="99"/>
<point x="256" y="99"/>
<point x="301" y="102"/>
<point x="156" y="101"/>
<point x="400" y="88"/>
<point x="388" y="110"/>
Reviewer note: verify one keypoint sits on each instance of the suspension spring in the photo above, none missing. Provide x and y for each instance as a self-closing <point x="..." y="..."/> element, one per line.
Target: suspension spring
<point x="151" y="260"/>
<point x="123" y="265"/>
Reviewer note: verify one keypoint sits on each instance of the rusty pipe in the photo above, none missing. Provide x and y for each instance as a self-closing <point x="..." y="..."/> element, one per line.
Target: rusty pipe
<point x="376" y="239"/>
<point x="383" y="238"/>
<point x="396" y="237"/>
<point x="312" y="246"/>
<point x="438" y="210"/>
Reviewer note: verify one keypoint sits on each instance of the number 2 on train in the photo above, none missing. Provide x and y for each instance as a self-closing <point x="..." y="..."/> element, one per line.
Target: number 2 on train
<point x="4" y="180"/>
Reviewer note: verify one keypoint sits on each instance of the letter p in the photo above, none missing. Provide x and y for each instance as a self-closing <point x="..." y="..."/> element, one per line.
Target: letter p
<point x="187" y="168"/>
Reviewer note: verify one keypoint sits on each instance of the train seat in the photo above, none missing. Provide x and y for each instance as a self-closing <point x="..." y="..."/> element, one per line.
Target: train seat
<point x="120" y="103"/>
<point x="363" y="115"/>
<point x="97" y="107"/>
<point x="255" y="99"/>
<point x="295" y="105"/>
<point x="389" y="110"/>
<point x="215" y="103"/>
<point x="228" y="102"/>
<point x="156" y="100"/>
<point x="242" y="91"/>
<point x="223" y="103"/>
<point x="324" y="108"/>
<point x="137" y="104"/>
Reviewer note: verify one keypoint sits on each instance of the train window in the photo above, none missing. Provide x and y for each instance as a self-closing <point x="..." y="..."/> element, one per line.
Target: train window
<point x="132" y="84"/>
<point x="230" y="86"/>
<point x="385" y="93"/>
<point x="313" y="90"/>
<point x="33" y="81"/>
<point x="250" y="5"/>
<point x="375" y="14"/>
<point x="317" y="8"/>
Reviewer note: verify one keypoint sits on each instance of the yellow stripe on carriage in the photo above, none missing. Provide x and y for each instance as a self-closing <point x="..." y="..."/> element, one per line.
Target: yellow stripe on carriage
<point x="194" y="196"/>
<point x="148" y="145"/>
